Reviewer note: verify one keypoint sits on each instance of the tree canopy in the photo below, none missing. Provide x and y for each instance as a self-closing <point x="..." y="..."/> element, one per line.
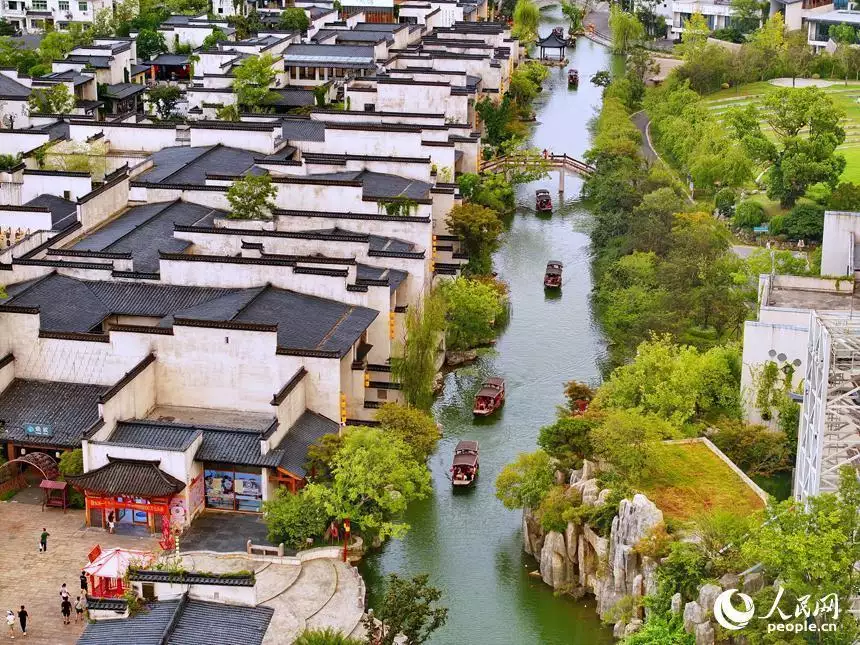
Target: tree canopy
<point x="626" y="29"/>
<point x="408" y="610"/>
<point x="252" y="197"/>
<point x="294" y="19"/>
<point x="56" y="99"/>
<point x="523" y="483"/>
<point x="253" y="78"/>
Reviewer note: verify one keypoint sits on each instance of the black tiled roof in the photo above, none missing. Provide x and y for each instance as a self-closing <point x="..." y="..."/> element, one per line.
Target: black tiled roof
<point x="304" y="322"/>
<point x="148" y="626"/>
<point x="132" y="477"/>
<point x="307" y="429"/>
<point x="293" y="97"/>
<point x="102" y="62"/>
<point x="68" y="408"/>
<point x="145" y="230"/>
<point x="380" y="243"/>
<point x="183" y="622"/>
<point x="303" y="130"/>
<point x="107" y="604"/>
<point x="393" y="276"/>
<point x="140" y="69"/>
<point x="63" y="211"/>
<point x="123" y="90"/>
<point x="190" y="578"/>
<point x="10" y="87"/>
<point x="171" y="60"/>
<point x="234" y="447"/>
<point x="380" y="185"/>
<point x="154" y="434"/>
<point x="184" y="165"/>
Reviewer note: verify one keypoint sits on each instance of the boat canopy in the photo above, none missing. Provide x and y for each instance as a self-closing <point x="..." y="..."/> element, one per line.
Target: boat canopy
<point x="494" y="381"/>
<point x="465" y="459"/>
<point x="467" y="446"/>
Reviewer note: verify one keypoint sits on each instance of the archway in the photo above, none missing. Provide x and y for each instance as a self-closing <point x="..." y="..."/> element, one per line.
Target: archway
<point x="43" y="463"/>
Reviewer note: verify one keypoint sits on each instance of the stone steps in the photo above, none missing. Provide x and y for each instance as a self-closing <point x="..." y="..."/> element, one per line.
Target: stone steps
<point x="275" y="579"/>
<point x="312" y="590"/>
<point x="345" y="608"/>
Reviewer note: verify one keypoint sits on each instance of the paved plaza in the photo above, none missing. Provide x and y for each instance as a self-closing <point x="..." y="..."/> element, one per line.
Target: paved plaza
<point x="33" y="579"/>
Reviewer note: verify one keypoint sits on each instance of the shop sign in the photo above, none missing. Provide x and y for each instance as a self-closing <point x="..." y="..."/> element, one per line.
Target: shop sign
<point x="38" y="430"/>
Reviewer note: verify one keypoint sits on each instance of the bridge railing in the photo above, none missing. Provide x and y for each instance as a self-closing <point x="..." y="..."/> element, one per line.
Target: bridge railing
<point x="552" y="160"/>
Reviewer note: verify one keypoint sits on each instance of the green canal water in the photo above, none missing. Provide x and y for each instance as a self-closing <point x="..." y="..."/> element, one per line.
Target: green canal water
<point x="468" y="543"/>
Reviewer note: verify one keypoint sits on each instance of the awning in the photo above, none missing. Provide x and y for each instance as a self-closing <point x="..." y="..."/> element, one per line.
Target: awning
<point x="113" y="563"/>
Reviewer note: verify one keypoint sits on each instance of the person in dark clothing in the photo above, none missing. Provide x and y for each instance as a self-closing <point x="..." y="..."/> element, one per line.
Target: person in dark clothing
<point x="83" y="582"/>
<point x="66" y="608"/>
<point x="22" y="618"/>
<point x="43" y="540"/>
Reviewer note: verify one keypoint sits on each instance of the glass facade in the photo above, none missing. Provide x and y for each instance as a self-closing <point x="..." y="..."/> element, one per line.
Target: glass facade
<point x="233" y="488"/>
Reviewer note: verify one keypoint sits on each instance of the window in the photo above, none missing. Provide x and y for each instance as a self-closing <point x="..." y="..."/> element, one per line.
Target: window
<point x="67" y="194"/>
<point x="64" y="5"/>
<point x="40" y="5"/>
<point x="233" y="488"/>
<point x="82" y="6"/>
<point x="369" y="107"/>
<point x="382" y="395"/>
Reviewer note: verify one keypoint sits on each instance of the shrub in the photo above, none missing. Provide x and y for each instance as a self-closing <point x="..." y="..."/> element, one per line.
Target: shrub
<point x="748" y="214"/>
<point x="327" y="636"/>
<point x="525" y="482"/>
<point x="845" y="197"/>
<point x="473" y="308"/>
<point x="755" y="449"/>
<point x="776" y="226"/>
<point x="7" y="162"/>
<point x="683" y="570"/>
<point x="568" y="440"/>
<point x="656" y="544"/>
<point x="551" y="511"/>
<point x="292" y="518"/>
<point x="805" y="222"/>
<point x="725" y="200"/>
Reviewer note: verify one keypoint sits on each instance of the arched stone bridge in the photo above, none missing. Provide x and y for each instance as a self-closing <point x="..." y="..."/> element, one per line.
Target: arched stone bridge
<point x="564" y="163"/>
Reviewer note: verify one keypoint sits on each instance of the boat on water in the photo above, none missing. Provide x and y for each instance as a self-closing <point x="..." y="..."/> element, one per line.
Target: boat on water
<point x="490" y="397"/>
<point x="573" y="78"/>
<point x="543" y="202"/>
<point x="464" y="470"/>
<point x="552" y="277"/>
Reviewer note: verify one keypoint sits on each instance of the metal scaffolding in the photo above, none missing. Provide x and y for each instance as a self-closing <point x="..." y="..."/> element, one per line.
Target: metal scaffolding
<point x="829" y="435"/>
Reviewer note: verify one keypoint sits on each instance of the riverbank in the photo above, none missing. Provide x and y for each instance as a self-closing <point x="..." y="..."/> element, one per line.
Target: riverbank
<point x="468" y="543"/>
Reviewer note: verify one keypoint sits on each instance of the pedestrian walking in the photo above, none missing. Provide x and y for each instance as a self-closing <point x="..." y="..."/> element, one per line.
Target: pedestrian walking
<point x="66" y="609"/>
<point x="10" y="622"/>
<point x="64" y="592"/>
<point x="84" y="582"/>
<point x="43" y="540"/>
<point x="79" y="609"/>
<point x="22" y="618"/>
<point x="111" y="523"/>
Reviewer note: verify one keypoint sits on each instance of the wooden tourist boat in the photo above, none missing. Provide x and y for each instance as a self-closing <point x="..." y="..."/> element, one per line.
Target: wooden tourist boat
<point x="543" y="202"/>
<point x="464" y="470"/>
<point x="490" y="397"/>
<point x="552" y="277"/>
<point x="572" y="78"/>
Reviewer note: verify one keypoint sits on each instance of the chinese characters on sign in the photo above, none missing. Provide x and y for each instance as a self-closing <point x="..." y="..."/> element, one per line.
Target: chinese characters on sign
<point x="38" y="430"/>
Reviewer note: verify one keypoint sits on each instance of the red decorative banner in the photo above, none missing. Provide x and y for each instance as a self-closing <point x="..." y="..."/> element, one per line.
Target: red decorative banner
<point x="109" y="502"/>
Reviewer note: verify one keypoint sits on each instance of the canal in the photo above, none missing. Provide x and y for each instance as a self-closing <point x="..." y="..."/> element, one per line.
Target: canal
<point x="468" y="543"/>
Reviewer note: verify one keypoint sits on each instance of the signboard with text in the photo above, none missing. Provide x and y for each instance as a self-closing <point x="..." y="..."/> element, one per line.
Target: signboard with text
<point x="38" y="430"/>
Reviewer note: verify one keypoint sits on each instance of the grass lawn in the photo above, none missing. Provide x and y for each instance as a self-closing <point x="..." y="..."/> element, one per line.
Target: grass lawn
<point x="846" y="97"/>
<point x="689" y="480"/>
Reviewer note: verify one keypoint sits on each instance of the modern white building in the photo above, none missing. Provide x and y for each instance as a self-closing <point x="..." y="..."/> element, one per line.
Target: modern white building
<point x="37" y="15"/>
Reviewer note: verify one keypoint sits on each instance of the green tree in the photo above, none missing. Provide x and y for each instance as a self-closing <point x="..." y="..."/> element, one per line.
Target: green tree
<point x="72" y="462"/>
<point x="602" y="78"/>
<point x="253" y="78"/>
<point x="842" y="34"/>
<point x="626" y="29"/>
<point x="749" y="214"/>
<point x="294" y="19"/>
<point x="805" y="222"/>
<point x="150" y="43"/>
<point x="694" y="38"/>
<point x="214" y="38"/>
<point x="6" y="28"/>
<point x="229" y="112"/>
<point x="767" y="45"/>
<point x="568" y="440"/>
<point x="252" y="197"/>
<point x="526" y="19"/>
<point x="574" y="14"/>
<point x="522" y="90"/>
<point x="487" y="189"/>
<point x="374" y="479"/>
<point x="525" y="482"/>
<point x="416" y="428"/>
<point x="408" y="610"/>
<point x="808" y="128"/>
<point x="321" y="455"/>
<point x="7" y="162"/>
<point x="626" y="439"/>
<point x="479" y="228"/>
<point x="56" y="99"/>
<point x="653" y="219"/>
<point x="796" y="55"/>
<point x="414" y="366"/>
<point x="755" y="449"/>
<point x="327" y="636"/>
<point x="293" y="518"/>
<point x="725" y="201"/>
<point x="473" y="308"/>
<point x="845" y="197"/>
<point x="812" y="549"/>
<point x="164" y="98"/>
<point x="56" y="45"/>
<point x="676" y="382"/>
<point x="103" y="25"/>
<point x="746" y="15"/>
<point x="781" y="262"/>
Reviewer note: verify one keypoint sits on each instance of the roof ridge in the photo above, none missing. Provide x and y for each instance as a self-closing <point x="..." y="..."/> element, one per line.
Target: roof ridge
<point x="261" y="291"/>
<point x="196" y="159"/>
<point x="174" y="619"/>
<point x="334" y="327"/>
<point x="168" y="206"/>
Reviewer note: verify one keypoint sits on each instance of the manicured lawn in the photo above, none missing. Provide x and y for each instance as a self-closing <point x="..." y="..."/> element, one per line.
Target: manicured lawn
<point x="689" y="480"/>
<point x="846" y="97"/>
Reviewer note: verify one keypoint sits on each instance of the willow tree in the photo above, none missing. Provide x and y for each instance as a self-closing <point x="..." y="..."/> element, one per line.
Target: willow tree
<point x="526" y="19"/>
<point x="415" y="368"/>
<point x="626" y="29"/>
